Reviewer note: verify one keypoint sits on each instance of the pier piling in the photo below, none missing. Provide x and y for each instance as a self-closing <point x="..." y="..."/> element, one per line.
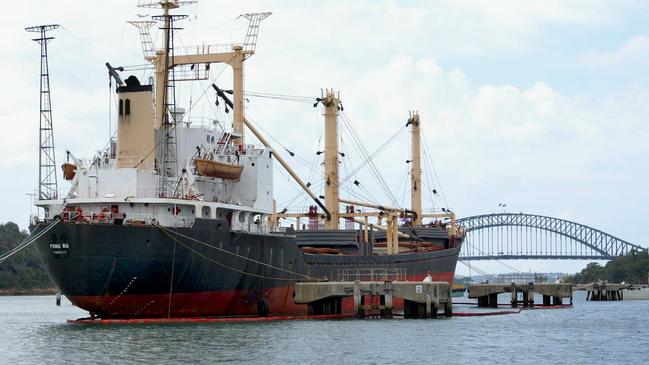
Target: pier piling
<point x="603" y="291"/>
<point x="376" y="298"/>
<point x="487" y="294"/>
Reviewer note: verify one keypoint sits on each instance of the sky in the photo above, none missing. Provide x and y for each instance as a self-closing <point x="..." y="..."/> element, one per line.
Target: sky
<point x="538" y="105"/>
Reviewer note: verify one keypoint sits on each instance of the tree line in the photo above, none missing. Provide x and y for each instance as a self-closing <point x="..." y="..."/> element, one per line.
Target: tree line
<point x="25" y="270"/>
<point x="632" y="269"/>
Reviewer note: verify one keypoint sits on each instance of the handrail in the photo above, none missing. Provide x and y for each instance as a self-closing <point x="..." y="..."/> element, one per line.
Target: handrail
<point x="128" y="218"/>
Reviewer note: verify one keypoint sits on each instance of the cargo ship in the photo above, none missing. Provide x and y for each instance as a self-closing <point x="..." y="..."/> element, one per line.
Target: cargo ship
<point x="177" y="220"/>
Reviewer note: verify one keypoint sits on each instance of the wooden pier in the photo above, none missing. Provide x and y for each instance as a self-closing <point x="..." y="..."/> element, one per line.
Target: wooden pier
<point x="603" y="291"/>
<point x="553" y="294"/>
<point x="376" y="298"/>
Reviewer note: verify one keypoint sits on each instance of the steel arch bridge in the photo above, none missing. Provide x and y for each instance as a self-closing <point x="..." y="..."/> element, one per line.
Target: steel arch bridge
<point x="503" y="236"/>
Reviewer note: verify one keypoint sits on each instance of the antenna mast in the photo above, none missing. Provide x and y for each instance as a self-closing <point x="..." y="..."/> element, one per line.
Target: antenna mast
<point x="167" y="148"/>
<point x="47" y="182"/>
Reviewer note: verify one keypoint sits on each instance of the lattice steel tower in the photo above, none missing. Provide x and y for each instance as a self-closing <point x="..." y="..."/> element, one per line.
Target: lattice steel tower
<point x="47" y="182"/>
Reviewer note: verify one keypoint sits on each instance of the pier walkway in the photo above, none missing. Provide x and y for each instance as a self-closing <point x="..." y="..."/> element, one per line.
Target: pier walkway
<point x="487" y="294"/>
<point x="376" y="298"/>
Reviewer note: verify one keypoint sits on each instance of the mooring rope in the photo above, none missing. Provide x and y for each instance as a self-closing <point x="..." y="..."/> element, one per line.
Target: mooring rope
<point x="28" y="241"/>
<point x="166" y="231"/>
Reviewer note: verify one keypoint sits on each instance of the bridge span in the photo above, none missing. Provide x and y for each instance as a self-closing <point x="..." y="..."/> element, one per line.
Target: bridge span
<point x="502" y="236"/>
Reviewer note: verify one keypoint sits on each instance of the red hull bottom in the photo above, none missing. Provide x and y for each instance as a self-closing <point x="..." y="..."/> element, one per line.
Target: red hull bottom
<point x="230" y="303"/>
<point x="206" y="319"/>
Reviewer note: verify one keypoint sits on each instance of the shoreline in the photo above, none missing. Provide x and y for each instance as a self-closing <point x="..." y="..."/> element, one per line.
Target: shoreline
<point x="25" y="292"/>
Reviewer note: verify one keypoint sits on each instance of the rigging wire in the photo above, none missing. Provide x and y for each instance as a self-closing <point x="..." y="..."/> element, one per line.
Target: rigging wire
<point x="311" y="166"/>
<point x="363" y="151"/>
<point x="375" y="153"/>
<point x="225" y="65"/>
<point x="320" y="133"/>
<point x="284" y="97"/>
<point x="479" y="271"/>
<point x="498" y="261"/>
<point x="27" y="241"/>
<point x="176" y="233"/>
<point x="344" y="184"/>
<point x="404" y="186"/>
<point x="301" y="193"/>
<point x="140" y="67"/>
<point x="288" y="178"/>
<point x="429" y="161"/>
<point x="406" y="175"/>
<point x="301" y="160"/>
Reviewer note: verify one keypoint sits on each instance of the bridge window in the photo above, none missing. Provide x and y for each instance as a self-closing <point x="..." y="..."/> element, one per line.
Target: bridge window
<point x="127" y="107"/>
<point x="121" y="107"/>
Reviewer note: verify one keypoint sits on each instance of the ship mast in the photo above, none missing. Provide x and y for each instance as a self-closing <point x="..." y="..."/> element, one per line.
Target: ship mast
<point x="197" y="61"/>
<point x="166" y="98"/>
<point x="168" y="150"/>
<point x="415" y="168"/>
<point x="47" y="181"/>
<point x="331" y="102"/>
<point x="241" y="53"/>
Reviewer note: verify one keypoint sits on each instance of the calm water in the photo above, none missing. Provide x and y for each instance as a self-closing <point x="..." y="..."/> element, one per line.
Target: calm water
<point x="33" y="330"/>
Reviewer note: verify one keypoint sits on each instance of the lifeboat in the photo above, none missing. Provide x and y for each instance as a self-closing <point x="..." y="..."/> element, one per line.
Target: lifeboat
<point x="222" y="170"/>
<point x="69" y="170"/>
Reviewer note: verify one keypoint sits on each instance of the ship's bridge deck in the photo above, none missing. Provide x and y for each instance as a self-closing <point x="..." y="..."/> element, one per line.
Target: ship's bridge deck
<point x="166" y="212"/>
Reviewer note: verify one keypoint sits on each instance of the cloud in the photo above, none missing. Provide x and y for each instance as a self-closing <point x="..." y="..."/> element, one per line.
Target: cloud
<point x="634" y="51"/>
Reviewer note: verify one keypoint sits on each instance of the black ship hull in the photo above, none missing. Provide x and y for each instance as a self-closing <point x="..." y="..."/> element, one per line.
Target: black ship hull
<point x="151" y="272"/>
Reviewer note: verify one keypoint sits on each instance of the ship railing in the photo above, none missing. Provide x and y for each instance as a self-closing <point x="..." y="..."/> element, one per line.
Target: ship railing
<point x="299" y="219"/>
<point x="58" y="194"/>
<point x="121" y="191"/>
<point x="79" y="216"/>
<point x="203" y="49"/>
<point x="373" y="274"/>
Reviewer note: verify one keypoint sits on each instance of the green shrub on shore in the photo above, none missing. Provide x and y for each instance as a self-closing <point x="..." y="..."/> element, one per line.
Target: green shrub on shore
<point x="632" y="269"/>
<point x="23" y="271"/>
